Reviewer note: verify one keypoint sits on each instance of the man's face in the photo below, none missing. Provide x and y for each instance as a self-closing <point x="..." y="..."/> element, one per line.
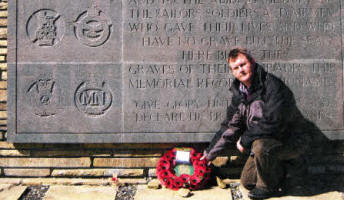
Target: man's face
<point x="242" y="69"/>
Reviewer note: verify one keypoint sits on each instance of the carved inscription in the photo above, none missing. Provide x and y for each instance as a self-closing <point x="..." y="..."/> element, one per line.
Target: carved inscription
<point x="93" y="100"/>
<point x="199" y="30"/>
<point x="93" y="27"/>
<point x="45" y="27"/>
<point x="41" y="94"/>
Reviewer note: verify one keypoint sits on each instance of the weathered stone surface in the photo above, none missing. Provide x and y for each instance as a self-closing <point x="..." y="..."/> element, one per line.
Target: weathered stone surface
<point x="129" y="146"/>
<point x="101" y="153"/>
<point x="220" y="183"/>
<point x="5" y="186"/>
<point x="125" y="162"/>
<point x="156" y="71"/>
<point x="80" y="192"/>
<point x="12" y="193"/>
<point x="124" y="172"/>
<point x="3" y="43"/>
<point x="3" y="33"/>
<point x="63" y="181"/>
<point x="3" y="13"/>
<point x="3" y="21"/>
<point x="45" y="162"/>
<point x="3" y="84"/>
<point x="3" y="114"/>
<point x="27" y="172"/>
<point x="3" y="106"/>
<point x="3" y="5"/>
<point x="137" y="153"/>
<point x="97" y="172"/>
<point x="3" y="50"/>
<point x="152" y="172"/>
<point x="6" y="145"/>
<point x="14" y="153"/>
<point x="4" y="75"/>
<point x="3" y="66"/>
<point x="167" y="194"/>
<point x="154" y="184"/>
<point x="182" y="192"/>
<point x="3" y="95"/>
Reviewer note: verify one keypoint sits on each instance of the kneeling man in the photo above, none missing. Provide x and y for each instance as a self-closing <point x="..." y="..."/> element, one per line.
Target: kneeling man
<point x="262" y="120"/>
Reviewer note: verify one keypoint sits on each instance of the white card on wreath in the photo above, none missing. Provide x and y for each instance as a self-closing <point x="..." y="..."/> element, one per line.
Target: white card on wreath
<point x="183" y="157"/>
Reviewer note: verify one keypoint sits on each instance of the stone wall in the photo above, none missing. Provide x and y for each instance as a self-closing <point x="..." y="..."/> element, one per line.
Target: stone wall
<point x="136" y="161"/>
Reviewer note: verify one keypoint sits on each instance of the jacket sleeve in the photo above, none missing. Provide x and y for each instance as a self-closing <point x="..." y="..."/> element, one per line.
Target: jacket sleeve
<point x="276" y="110"/>
<point x="230" y="129"/>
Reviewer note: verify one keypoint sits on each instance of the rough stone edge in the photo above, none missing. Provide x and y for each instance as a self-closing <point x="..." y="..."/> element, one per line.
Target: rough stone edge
<point x="70" y="181"/>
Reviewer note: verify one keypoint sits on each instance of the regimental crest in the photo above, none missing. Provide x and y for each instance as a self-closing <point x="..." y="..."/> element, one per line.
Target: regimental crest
<point x="45" y="28"/>
<point x="92" y="99"/>
<point x="42" y="95"/>
<point x="92" y="27"/>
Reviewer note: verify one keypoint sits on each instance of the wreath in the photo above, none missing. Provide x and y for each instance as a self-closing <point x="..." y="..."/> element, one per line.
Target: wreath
<point x="167" y="175"/>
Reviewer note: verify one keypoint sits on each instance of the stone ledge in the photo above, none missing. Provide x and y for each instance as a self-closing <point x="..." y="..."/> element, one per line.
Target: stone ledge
<point x="81" y="153"/>
<point x="14" y="153"/>
<point x="125" y="162"/>
<point x="45" y="162"/>
<point x="69" y="181"/>
<point x="97" y="172"/>
<point x="27" y="172"/>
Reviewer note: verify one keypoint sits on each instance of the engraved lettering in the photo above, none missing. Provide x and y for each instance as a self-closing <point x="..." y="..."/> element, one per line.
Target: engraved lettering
<point x="93" y="100"/>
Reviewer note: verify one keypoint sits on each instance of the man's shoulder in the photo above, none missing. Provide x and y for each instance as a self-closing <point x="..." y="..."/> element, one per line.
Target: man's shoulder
<point x="274" y="82"/>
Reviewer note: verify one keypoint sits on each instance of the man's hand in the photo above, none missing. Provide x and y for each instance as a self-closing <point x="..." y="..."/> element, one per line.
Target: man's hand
<point x="204" y="157"/>
<point x="239" y="146"/>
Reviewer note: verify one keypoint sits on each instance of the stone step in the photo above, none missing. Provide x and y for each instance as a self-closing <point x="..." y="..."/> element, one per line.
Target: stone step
<point x="11" y="192"/>
<point x="214" y="193"/>
<point x="80" y="192"/>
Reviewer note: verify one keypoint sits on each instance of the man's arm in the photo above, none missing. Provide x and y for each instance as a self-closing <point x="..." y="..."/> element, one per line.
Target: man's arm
<point x="276" y="109"/>
<point x="230" y="129"/>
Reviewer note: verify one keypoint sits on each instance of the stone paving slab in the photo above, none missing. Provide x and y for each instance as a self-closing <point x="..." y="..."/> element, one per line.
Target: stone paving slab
<point x="80" y="192"/>
<point x="5" y="186"/>
<point x="215" y="193"/>
<point x="12" y="192"/>
<point x="334" y="195"/>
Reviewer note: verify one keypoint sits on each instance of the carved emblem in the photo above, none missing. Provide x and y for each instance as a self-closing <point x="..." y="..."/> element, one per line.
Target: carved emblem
<point x="41" y="94"/>
<point x="45" y="27"/>
<point x="93" y="27"/>
<point x="93" y="100"/>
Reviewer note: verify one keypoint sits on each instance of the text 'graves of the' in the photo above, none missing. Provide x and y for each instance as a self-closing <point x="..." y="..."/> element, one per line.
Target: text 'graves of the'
<point x="103" y="71"/>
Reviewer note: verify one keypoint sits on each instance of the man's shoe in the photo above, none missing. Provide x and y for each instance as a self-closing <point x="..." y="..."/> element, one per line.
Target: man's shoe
<point x="258" y="193"/>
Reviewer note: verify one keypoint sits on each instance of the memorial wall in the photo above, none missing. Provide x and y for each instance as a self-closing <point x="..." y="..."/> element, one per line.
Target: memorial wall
<point x="111" y="71"/>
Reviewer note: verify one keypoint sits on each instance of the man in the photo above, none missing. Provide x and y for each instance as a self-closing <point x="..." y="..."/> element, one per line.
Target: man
<point x="262" y="120"/>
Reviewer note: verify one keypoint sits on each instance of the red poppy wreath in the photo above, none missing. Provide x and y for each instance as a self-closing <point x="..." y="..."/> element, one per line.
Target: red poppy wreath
<point x="167" y="167"/>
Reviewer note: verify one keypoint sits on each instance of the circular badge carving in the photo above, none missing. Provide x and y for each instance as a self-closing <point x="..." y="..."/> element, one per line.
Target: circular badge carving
<point x="45" y="28"/>
<point x="93" y="27"/>
<point x="92" y="100"/>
